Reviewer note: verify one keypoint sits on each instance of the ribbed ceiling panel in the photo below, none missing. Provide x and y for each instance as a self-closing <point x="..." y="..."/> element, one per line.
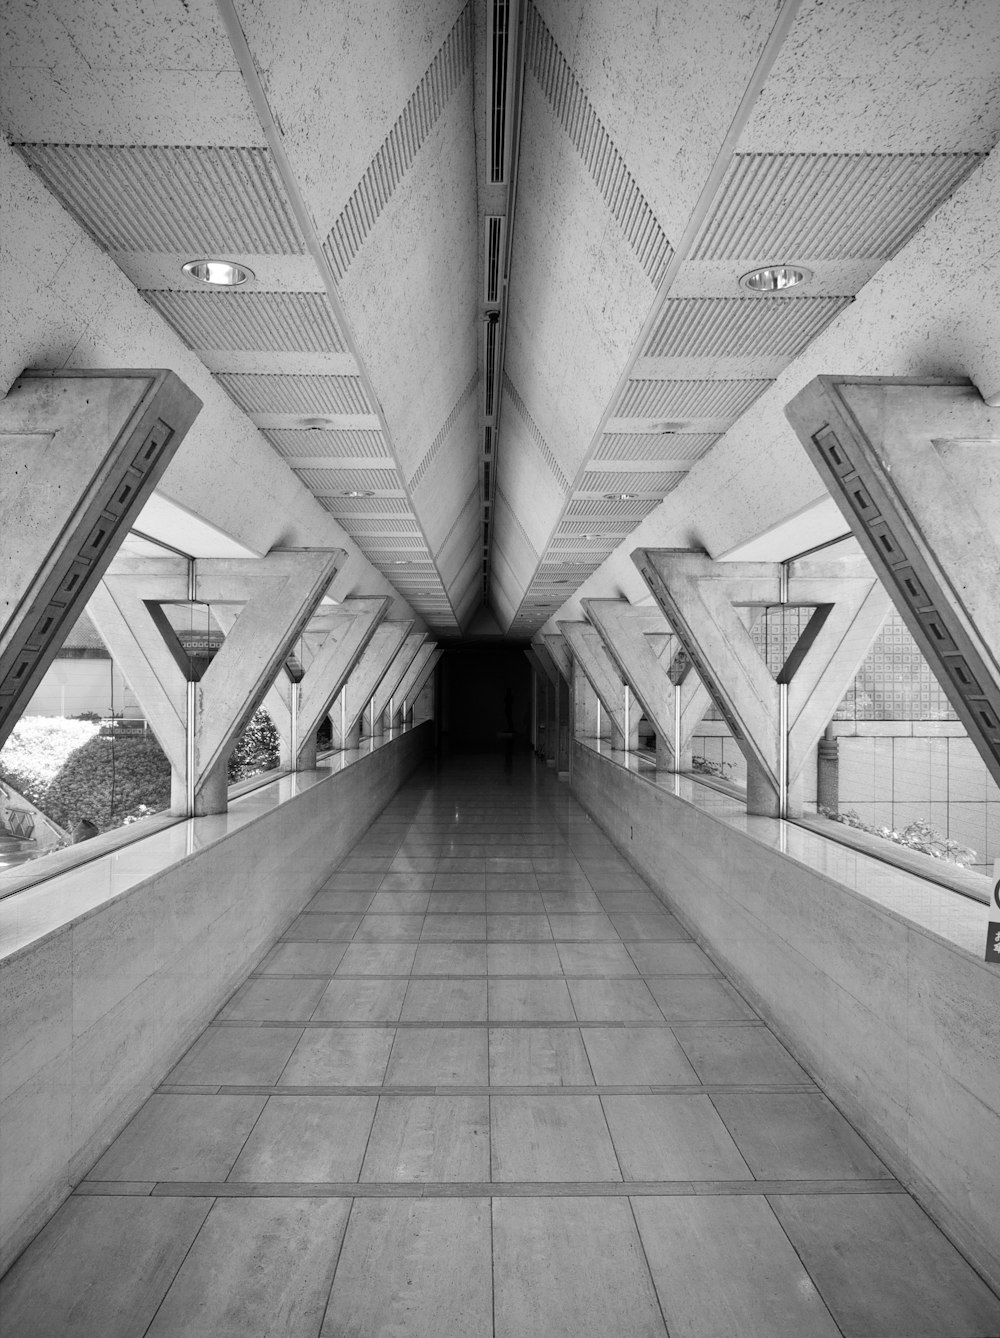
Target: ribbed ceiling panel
<point x="190" y="200"/>
<point x="741" y="327"/>
<point x="345" y="480"/>
<point x="535" y="433"/>
<point x="688" y="399"/>
<point x="296" y="394"/>
<point x="654" y="446"/>
<point x="600" y="507"/>
<point x="369" y="525"/>
<point x="401" y="145"/>
<point x="605" y="164"/>
<point x="609" y="525"/>
<point x="366" y="506"/>
<point x="292" y="442"/>
<point x="602" y="545"/>
<point x="252" y="322"/>
<point x="649" y="481"/>
<point x="392" y="541"/>
<point x="800" y="206"/>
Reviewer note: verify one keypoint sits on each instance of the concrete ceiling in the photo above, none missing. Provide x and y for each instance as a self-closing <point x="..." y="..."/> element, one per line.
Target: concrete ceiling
<point x="496" y="317"/>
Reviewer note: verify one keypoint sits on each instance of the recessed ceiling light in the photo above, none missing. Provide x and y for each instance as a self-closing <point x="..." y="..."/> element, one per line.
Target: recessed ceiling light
<point x="775" y="278"/>
<point x="357" y="492"/>
<point x="400" y="562"/>
<point x="219" y="273"/>
<point x="620" y="496"/>
<point x="317" y="424"/>
<point x="597" y="536"/>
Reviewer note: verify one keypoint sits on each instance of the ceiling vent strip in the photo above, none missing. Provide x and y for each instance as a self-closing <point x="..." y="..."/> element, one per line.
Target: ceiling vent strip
<point x="649" y="446"/>
<point x="616" y="525"/>
<point x="832" y="206"/>
<point x="535" y="433"/>
<point x="605" y="164"/>
<point x="445" y="431"/>
<point x="600" y="507"/>
<point x="498" y="37"/>
<point x="689" y="399"/>
<point x="265" y="394"/>
<point x="401" y="146"/>
<point x="393" y="543"/>
<point x="651" y="481"/>
<point x="741" y="327"/>
<point x="186" y="200"/>
<point x="250" y="322"/>
<point x="340" y="443"/>
<point x="346" y="480"/>
<point x="490" y="344"/>
<point x="385" y="529"/>
<point x="602" y="546"/>
<point x="366" y="506"/>
<point x="495" y="225"/>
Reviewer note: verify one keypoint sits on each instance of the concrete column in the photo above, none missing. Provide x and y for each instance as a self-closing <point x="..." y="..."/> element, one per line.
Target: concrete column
<point x="585" y="724"/>
<point x="828" y="773"/>
<point x="563" y="738"/>
<point x="551" y="725"/>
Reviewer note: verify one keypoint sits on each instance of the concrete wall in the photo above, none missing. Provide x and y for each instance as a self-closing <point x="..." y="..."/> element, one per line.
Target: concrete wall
<point x="899" y="1027"/>
<point x="96" y="1014"/>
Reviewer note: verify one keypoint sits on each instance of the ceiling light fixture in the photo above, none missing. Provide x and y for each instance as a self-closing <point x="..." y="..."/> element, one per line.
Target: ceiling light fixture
<point x="775" y="278"/>
<point x="218" y="273"/>
<point x="357" y="492"/>
<point x="621" y="496"/>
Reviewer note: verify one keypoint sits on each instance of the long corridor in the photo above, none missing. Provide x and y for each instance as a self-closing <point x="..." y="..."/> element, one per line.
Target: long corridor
<point x="486" y="1084"/>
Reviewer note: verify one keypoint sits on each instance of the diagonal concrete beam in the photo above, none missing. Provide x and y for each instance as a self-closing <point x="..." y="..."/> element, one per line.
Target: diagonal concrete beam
<point x="698" y="597"/>
<point x="421" y="667"/>
<point x="605" y="678"/>
<point x="364" y="678"/>
<point x="642" y="646"/>
<point x="559" y="652"/>
<point x="386" y="691"/>
<point x="80" y="455"/>
<point x="544" y="662"/>
<point x="276" y="594"/>
<point x="915" y="468"/>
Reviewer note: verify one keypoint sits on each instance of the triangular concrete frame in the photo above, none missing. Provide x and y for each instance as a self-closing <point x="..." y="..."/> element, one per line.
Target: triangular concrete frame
<point x="699" y="597"/>
<point x="364" y="678"/>
<point x="641" y="644"/>
<point x="335" y="639"/>
<point x="278" y="593"/>
<point x="605" y="678"/>
<point x="559" y="653"/>
<point x="915" y="468"/>
<point x="416" y="676"/>
<point x="384" y="694"/>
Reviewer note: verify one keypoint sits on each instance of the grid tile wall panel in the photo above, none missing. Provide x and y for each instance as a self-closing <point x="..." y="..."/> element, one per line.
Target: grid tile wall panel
<point x="343" y="480"/>
<point x="337" y="443"/>
<point x="640" y="507"/>
<point x="600" y="481"/>
<point x="895" y="682"/>
<point x="295" y="394"/>
<point x="401" y="145"/>
<point x="592" y="142"/>
<point x="654" y="445"/>
<point x="445" y="431"/>
<point x="190" y="200"/>
<point x="535" y="433"/>
<point x="366" y="506"/>
<point x="251" y="322"/>
<point x="741" y="327"/>
<point x="833" y="206"/>
<point x="688" y="399"/>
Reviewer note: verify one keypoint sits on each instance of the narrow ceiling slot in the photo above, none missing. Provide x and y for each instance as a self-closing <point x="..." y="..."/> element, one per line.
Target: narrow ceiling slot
<point x="490" y="367"/>
<point x="498" y="41"/>
<point x="494" y="258"/>
<point x="486" y="480"/>
<point x="488" y="441"/>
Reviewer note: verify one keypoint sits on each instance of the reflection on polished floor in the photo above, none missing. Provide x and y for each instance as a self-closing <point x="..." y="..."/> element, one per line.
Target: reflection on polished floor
<point x="486" y="1084"/>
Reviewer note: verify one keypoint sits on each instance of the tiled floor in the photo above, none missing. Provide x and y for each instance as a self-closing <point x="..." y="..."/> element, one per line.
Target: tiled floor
<point x="486" y="1084"/>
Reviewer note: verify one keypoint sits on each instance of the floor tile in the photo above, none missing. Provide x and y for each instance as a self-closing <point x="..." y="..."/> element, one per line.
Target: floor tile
<point x="323" y="926"/>
<point x="306" y="959"/>
<point x="450" y="959"/>
<point x="407" y="882"/>
<point x="884" y="1268"/>
<point x="515" y="903"/>
<point x="530" y="1001"/>
<point x="459" y="882"/>
<point x="571" y="1268"/>
<point x="442" y="1056"/>
<point x="230" y="1056"/>
<point x="613" y="1001"/>
<point x="501" y="865"/>
<point x="512" y="928"/>
<point x="396" y="903"/>
<point x="568" y="903"/>
<point x="226" y="1285"/>
<point x="738" y="1055"/>
<point x="672" y="1138"/>
<point x="623" y="1056"/>
<point x="596" y="959"/>
<point x="361" y="999"/>
<point x="588" y="927"/>
<point x="377" y="959"/>
<point x="537" y="1057"/>
<point x="650" y="926"/>
<point x="352" y="880"/>
<point x="339" y="902"/>
<point x="670" y="959"/>
<point x="723" y="1268"/>
<point x="445" y="1001"/>
<point x="303" y="1138"/>
<point x="181" y="1138"/>
<point x="796" y="1136"/>
<point x="563" y="882"/>
<point x="699" y="999"/>
<point x="364" y="863"/>
<point x="274" y="998"/>
<point x="461" y="864"/>
<point x="551" y="1138"/>
<point x="414" y="1267"/>
<point x="413" y="864"/>
<point x="353" y="1057"/>
<point x="53" y="1289"/>
<point x="389" y="929"/>
<point x="436" y="1138"/>
<point x="511" y="882"/>
<point x="523" y="959"/>
<point x="448" y="928"/>
<point x="631" y="901"/>
<point x="457" y="902"/>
